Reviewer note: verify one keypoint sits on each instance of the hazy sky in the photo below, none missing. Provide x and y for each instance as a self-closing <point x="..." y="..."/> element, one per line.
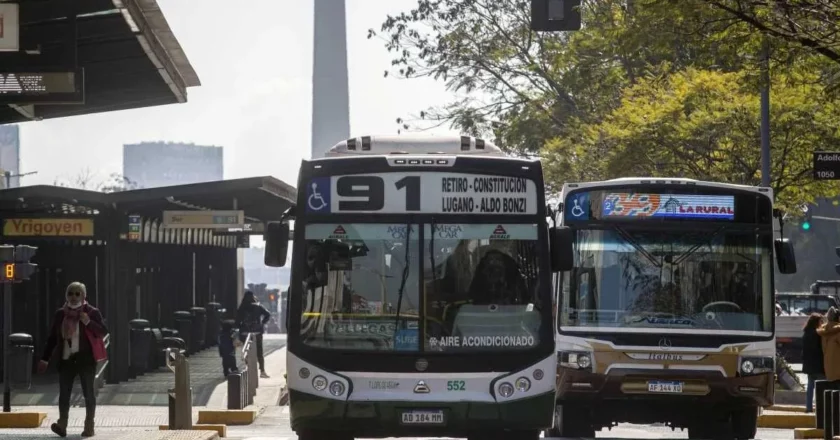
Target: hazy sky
<point x="255" y="65"/>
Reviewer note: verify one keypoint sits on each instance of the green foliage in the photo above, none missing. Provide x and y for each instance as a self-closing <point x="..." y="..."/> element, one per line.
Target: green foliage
<point x="647" y="87"/>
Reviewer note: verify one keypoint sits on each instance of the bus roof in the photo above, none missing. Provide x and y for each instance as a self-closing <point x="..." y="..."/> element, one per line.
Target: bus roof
<point x="414" y="144"/>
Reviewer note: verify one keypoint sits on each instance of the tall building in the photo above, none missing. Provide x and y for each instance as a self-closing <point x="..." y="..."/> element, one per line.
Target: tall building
<point x="10" y="154"/>
<point x="330" y="90"/>
<point x="152" y="164"/>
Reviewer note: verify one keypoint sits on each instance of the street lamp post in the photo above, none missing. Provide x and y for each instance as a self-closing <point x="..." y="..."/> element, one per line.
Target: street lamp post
<point x="9" y="175"/>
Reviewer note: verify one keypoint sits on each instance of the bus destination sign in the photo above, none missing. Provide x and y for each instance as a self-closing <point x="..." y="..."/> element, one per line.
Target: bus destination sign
<point x="429" y="193"/>
<point x="827" y="165"/>
<point x="43" y="87"/>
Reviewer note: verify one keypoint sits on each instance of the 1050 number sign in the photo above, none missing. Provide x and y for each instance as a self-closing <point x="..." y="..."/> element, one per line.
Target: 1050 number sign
<point x="372" y="189"/>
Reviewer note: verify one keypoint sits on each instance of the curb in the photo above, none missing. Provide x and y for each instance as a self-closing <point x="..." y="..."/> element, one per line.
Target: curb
<point x="787" y="421"/>
<point x="22" y="419"/>
<point x="226" y="417"/>
<point x="788" y="408"/>
<point x="219" y="430"/>
<point x="806" y="433"/>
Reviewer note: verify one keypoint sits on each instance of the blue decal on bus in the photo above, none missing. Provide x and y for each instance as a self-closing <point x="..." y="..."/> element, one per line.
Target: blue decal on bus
<point x="318" y="195"/>
<point x="407" y="340"/>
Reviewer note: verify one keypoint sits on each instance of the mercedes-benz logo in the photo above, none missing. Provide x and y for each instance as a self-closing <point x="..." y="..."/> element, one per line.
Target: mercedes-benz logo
<point x="421" y="364"/>
<point x="665" y="343"/>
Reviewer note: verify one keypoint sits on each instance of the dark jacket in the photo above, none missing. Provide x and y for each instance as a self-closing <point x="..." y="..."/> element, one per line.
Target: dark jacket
<point x="226" y="347"/>
<point x="252" y="318"/>
<point x="812" y="352"/>
<point x="55" y="345"/>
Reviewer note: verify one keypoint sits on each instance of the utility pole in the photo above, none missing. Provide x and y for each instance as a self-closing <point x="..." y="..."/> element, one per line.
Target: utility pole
<point x="765" y="113"/>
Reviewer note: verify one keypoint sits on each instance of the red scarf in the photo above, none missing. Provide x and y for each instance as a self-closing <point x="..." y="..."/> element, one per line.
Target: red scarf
<point x="71" y="320"/>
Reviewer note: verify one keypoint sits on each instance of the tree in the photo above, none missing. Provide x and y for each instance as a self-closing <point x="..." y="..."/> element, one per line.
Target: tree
<point x="705" y="125"/>
<point x="87" y="179"/>
<point x="576" y="98"/>
<point x="812" y="24"/>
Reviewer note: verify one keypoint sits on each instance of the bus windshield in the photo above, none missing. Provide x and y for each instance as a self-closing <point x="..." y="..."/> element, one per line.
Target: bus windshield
<point x="709" y="279"/>
<point x="365" y="287"/>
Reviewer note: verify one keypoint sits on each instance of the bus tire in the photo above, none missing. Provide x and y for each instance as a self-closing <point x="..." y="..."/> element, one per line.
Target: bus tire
<point x="571" y="422"/>
<point x="745" y="423"/>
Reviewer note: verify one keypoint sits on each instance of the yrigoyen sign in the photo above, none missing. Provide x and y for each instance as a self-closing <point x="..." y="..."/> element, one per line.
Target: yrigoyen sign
<point x="203" y="219"/>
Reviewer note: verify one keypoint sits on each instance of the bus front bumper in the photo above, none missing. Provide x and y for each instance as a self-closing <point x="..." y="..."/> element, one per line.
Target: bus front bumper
<point x="384" y="419"/>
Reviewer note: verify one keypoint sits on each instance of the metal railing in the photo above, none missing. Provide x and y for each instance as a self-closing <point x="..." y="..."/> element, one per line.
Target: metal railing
<point x="242" y="385"/>
<point x="180" y="397"/>
<point x="102" y="367"/>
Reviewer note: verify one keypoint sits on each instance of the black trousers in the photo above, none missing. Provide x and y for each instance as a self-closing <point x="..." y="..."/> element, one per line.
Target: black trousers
<point x="229" y="363"/>
<point x="258" y="340"/>
<point x="67" y="372"/>
<point x="260" y="357"/>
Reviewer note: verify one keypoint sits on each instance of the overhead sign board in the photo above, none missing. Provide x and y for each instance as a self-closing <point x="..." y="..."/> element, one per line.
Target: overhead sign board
<point x="9" y="27"/>
<point x="203" y="219"/>
<point x="245" y="229"/>
<point x="827" y="165"/>
<point x="48" y="227"/>
<point x="42" y="86"/>
<point x="418" y="192"/>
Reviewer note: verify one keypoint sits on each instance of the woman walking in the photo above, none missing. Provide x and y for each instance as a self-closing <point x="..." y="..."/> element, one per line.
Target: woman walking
<point x="252" y="318"/>
<point x="76" y="338"/>
<point x="812" y="357"/>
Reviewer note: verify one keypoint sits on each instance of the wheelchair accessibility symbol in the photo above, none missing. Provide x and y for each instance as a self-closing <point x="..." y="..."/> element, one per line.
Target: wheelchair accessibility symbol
<point x="318" y="195"/>
<point x="579" y="208"/>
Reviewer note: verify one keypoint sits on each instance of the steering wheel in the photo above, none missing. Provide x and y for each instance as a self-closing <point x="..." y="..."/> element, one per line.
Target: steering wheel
<point x="722" y="306"/>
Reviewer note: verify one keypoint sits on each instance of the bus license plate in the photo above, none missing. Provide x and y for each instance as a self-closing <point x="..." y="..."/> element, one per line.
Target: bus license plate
<point x="422" y="418"/>
<point x="660" y="386"/>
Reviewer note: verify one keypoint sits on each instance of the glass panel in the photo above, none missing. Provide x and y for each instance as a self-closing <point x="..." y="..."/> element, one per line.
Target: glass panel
<point x="483" y="292"/>
<point x="358" y="279"/>
<point x="714" y="279"/>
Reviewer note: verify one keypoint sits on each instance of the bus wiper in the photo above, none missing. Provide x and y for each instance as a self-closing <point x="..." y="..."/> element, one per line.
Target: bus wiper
<point x="630" y="240"/>
<point x="406" y="270"/>
<point x="702" y="242"/>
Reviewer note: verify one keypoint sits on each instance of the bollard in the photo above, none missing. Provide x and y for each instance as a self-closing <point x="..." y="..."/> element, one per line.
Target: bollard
<point x="835" y="413"/>
<point x="827" y="410"/>
<point x="234" y="383"/>
<point x="180" y="397"/>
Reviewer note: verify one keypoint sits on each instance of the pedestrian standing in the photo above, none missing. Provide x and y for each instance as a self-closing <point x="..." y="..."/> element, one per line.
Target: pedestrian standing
<point x="252" y="318"/>
<point x="812" y="357"/>
<point x="227" y="349"/>
<point x="76" y="339"/>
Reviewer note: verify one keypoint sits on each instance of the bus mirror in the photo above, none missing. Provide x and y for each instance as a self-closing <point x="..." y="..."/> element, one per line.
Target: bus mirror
<point x="276" y="244"/>
<point x="562" y="257"/>
<point x="785" y="257"/>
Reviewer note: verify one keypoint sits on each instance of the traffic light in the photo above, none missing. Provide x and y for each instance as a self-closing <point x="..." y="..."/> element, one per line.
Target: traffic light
<point x="16" y="265"/>
<point x="555" y="15"/>
<point x="806" y="221"/>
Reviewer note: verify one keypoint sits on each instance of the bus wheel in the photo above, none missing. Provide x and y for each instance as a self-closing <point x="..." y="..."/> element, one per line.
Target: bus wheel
<point x="571" y="422"/>
<point x="745" y="423"/>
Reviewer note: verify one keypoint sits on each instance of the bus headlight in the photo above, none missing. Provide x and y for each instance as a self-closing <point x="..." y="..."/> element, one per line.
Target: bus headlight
<point x="336" y="388"/>
<point x="506" y="389"/>
<point x="538" y="374"/>
<point x="319" y="383"/>
<point x="757" y="365"/>
<point x="575" y="359"/>
<point x="304" y="373"/>
<point x="523" y="384"/>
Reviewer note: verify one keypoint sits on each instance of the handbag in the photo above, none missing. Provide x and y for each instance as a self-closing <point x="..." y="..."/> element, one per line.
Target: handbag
<point x="97" y="346"/>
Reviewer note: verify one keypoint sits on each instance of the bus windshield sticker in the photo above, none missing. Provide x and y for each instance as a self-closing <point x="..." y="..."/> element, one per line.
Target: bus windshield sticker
<point x="483" y="231"/>
<point x="407" y="340"/>
<point x="359" y="231"/>
<point x="426" y="192"/>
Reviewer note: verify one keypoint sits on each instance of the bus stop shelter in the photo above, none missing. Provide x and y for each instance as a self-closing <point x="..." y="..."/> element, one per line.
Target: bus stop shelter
<point x="84" y="236"/>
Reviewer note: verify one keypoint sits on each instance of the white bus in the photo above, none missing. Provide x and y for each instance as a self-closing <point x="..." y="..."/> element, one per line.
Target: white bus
<point x="421" y="298"/>
<point x="667" y="314"/>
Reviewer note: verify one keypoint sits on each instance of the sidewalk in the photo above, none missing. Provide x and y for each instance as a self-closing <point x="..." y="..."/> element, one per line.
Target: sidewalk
<point x="115" y="422"/>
